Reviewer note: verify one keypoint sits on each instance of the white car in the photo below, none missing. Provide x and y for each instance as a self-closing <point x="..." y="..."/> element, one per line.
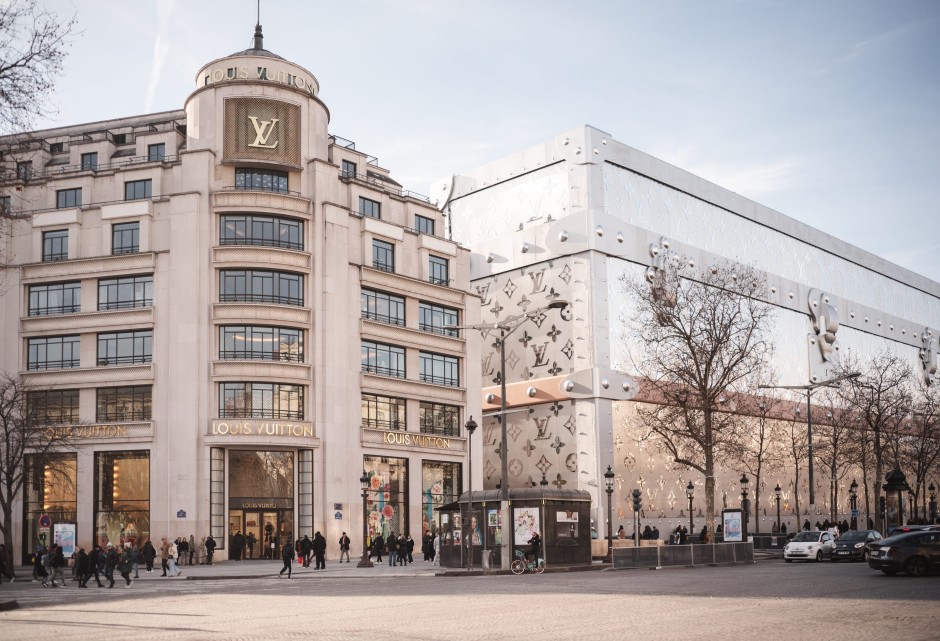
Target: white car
<point x="809" y="546"/>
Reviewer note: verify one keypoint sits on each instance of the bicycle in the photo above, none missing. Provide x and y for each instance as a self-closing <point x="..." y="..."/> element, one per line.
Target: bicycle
<point x="522" y="563"/>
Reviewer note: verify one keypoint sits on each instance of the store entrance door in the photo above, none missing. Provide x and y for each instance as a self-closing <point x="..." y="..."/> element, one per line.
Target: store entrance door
<point x="265" y="531"/>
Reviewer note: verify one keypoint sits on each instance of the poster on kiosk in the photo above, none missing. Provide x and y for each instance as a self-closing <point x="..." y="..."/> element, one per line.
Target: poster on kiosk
<point x="731" y="525"/>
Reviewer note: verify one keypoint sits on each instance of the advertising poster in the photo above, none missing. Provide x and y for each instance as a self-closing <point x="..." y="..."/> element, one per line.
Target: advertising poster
<point x="525" y="522"/>
<point x="64" y="534"/>
<point x="731" y="525"/>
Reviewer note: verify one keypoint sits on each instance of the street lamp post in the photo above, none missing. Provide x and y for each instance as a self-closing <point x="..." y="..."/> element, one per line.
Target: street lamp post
<point x="744" y="505"/>
<point x="506" y="327"/>
<point x="809" y="389"/>
<point x="933" y="502"/>
<point x="853" y="501"/>
<point x="366" y="560"/>
<point x="471" y="427"/>
<point x="778" y="494"/>
<point x="609" y="479"/>
<point x="690" y="492"/>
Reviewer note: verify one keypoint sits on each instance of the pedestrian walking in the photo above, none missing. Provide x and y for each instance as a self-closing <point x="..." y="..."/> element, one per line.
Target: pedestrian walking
<point x="164" y="555"/>
<point x="410" y="546"/>
<point x="135" y="557"/>
<point x="250" y="541"/>
<point x="58" y="565"/>
<point x="172" y="555"/>
<point x="150" y="553"/>
<point x="287" y="555"/>
<point x="82" y="569"/>
<point x="38" y="572"/>
<point x="111" y="560"/>
<point x="127" y="564"/>
<point x="435" y="548"/>
<point x="95" y="564"/>
<point x="344" y="548"/>
<point x="319" y="550"/>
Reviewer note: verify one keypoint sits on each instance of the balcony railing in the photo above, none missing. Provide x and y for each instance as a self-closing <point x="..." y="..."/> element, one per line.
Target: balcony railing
<point x="384" y="318"/>
<point x="59" y="170"/>
<point x="133" y="359"/>
<point x="64" y="363"/>
<point x="52" y="310"/>
<point x="384" y="371"/>
<point x="449" y="381"/>
<point x="380" y="424"/>
<point x="251" y="355"/>
<point x="266" y="412"/>
<point x="263" y="242"/>
<point x="261" y="298"/>
<point x="437" y="329"/>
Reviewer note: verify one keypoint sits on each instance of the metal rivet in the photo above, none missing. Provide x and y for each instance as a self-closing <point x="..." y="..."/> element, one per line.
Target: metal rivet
<point x="531" y="392"/>
<point x="605" y="383"/>
<point x="563" y="236"/>
<point x="599" y="230"/>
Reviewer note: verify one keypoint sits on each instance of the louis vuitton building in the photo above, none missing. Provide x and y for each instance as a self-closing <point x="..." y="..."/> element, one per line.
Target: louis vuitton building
<point x="234" y="313"/>
<point x="569" y="219"/>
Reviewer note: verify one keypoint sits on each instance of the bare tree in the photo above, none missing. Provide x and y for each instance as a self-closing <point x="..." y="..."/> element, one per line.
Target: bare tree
<point x="699" y="337"/>
<point x="758" y="450"/>
<point x="794" y="442"/>
<point x="837" y="438"/>
<point x="881" y="399"/>
<point x="25" y="440"/>
<point x="921" y="446"/>
<point x="33" y="45"/>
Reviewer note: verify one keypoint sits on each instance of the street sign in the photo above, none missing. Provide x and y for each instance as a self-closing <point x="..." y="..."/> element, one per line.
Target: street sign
<point x="181" y="514"/>
<point x="854" y="514"/>
<point x="45" y="522"/>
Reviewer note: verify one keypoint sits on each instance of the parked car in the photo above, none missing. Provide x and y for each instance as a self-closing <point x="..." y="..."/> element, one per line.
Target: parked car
<point x="902" y="529"/>
<point x="809" y="546"/>
<point x="852" y="546"/>
<point x="916" y="553"/>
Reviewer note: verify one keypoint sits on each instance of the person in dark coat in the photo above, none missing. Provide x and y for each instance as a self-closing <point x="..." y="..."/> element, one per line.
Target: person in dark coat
<point x="806" y="525"/>
<point x="344" y="548"/>
<point x="647" y="533"/>
<point x="402" y="550"/>
<point x="111" y="560"/>
<point x="287" y="555"/>
<point x="150" y="553"/>
<point x="210" y="549"/>
<point x="238" y="545"/>
<point x="378" y="546"/>
<point x="319" y="550"/>
<point x="95" y="563"/>
<point x="126" y="564"/>
<point x="82" y="569"/>
<point x="655" y="536"/>
<point x="410" y="546"/>
<point x="392" y="544"/>
<point x="306" y="548"/>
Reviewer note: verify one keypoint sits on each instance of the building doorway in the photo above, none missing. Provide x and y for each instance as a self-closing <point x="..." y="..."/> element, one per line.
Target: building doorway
<point x="265" y="531"/>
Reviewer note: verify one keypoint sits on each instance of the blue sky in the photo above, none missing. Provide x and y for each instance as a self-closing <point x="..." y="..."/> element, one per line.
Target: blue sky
<point x="828" y="111"/>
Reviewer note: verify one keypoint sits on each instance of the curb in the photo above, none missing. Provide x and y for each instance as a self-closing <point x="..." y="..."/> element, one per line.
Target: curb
<point x="8" y="605"/>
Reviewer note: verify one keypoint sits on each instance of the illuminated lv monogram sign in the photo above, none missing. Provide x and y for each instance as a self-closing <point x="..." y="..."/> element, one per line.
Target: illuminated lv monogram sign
<point x="263" y="131"/>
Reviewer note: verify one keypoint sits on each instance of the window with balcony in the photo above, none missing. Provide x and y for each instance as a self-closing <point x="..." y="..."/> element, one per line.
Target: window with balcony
<point x="438" y="270"/>
<point x="125" y="238"/>
<point x="262" y="231"/>
<point x="6" y="205"/>
<point x="261" y="180"/>
<point x="438" y="419"/>
<point x="261" y="400"/>
<point x="125" y="293"/>
<point x="369" y="208"/>
<point x="259" y="343"/>
<point x="125" y="348"/>
<point x="383" y="255"/>
<point x="55" y="245"/>
<point x="52" y="407"/>
<point x="55" y="298"/>
<point x="383" y="412"/>
<point x="65" y="198"/>
<point x="387" y="360"/>
<point x="382" y="307"/>
<point x="256" y="286"/>
<point x="131" y="403"/>
<point x="90" y="161"/>
<point x="137" y="189"/>
<point x="424" y="225"/>
<point x="439" y="369"/>
<point x="52" y="352"/>
<point x="348" y="169"/>
<point x="156" y="152"/>
<point x="435" y="318"/>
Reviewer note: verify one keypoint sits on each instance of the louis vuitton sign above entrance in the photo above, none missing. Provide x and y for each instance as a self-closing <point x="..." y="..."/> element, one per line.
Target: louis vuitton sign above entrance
<point x="262" y="130"/>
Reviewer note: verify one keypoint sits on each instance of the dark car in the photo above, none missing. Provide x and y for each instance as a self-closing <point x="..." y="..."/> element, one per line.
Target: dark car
<point x="851" y="546"/>
<point x="902" y="529"/>
<point x="916" y="553"/>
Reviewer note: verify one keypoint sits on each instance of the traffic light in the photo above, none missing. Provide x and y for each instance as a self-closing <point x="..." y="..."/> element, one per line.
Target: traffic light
<point x="637" y="500"/>
<point x="881" y="505"/>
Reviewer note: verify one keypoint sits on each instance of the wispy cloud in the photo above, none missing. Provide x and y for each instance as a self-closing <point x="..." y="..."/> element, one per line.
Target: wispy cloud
<point x="161" y="48"/>
<point x="867" y="47"/>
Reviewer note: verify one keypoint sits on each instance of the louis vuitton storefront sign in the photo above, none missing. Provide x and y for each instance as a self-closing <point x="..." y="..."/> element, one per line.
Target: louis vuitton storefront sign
<point x="237" y="428"/>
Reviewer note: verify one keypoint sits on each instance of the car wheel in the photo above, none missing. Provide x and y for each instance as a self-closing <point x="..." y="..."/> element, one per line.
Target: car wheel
<point x="889" y="571"/>
<point x="865" y="556"/>
<point x="915" y="566"/>
<point x="818" y="556"/>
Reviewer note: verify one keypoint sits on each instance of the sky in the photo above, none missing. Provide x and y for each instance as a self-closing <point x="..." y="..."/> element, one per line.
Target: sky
<point x="825" y="110"/>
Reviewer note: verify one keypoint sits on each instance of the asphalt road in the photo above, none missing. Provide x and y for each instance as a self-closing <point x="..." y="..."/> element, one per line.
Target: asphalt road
<point x="768" y="600"/>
